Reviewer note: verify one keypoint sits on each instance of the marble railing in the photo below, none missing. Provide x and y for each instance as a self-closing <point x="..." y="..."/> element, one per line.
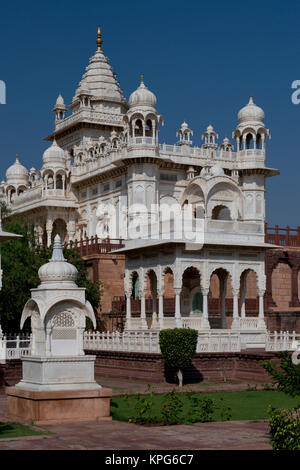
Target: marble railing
<point x="282" y="341"/>
<point x="14" y="346"/>
<point x="85" y="114"/>
<point x="148" y="341"/>
<point x="28" y="196"/>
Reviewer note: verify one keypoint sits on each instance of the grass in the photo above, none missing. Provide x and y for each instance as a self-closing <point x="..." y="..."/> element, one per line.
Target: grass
<point x="8" y="430"/>
<point x="248" y="405"/>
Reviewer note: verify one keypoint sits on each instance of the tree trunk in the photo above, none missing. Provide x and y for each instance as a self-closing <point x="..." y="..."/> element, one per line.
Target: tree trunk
<point x="180" y="377"/>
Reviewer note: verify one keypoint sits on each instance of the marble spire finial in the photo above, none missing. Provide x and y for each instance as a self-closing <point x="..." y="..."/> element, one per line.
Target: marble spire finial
<point x="57" y="253"/>
<point x="99" y="39"/>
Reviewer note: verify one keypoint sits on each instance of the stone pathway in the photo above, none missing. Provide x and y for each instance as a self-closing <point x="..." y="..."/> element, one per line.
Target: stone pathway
<point x="116" y="435"/>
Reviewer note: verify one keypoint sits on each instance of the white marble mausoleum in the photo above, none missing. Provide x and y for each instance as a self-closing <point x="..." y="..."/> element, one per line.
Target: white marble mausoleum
<point x="192" y="211"/>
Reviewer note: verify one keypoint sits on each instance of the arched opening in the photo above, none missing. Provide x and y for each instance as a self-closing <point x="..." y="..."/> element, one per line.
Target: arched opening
<point x="138" y="128"/>
<point x="135" y="286"/>
<point x="249" y="141"/>
<point x="60" y="228"/>
<point x="151" y="302"/>
<point x="221" y="212"/>
<point x="258" y="142"/>
<point x="12" y="195"/>
<point x="248" y="294"/>
<point x="49" y="180"/>
<point x="197" y="303"/>
<point x="191" y="304"/>
<point x="149" y="128"/>
<point x="169" y="294"/>
<point x="59" y="182"/>
<point x="220" y="298"/>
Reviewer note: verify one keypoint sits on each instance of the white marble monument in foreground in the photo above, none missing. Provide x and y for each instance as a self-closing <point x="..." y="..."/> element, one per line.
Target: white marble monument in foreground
<point x="58" y="381"/>
<point x="58" y="312"/>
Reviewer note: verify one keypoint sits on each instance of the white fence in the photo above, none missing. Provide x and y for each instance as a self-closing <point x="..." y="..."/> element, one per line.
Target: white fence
<point x="282" y="341"/>
<point x="16" y="346"/>
<point x="148" y="341"/>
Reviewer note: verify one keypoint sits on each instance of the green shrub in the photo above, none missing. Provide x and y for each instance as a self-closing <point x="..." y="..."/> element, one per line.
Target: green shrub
<point x="285" y="429"/>
<point x="201" y="409"/>
<point x="287" y="377"/>
<point x="143" y="407"/>
<point x="172" y="408"/>
<point x="178" y="347"/>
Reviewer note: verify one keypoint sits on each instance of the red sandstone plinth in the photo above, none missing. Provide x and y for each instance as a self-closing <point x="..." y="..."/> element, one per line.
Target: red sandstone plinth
<point x="55" y="407"/>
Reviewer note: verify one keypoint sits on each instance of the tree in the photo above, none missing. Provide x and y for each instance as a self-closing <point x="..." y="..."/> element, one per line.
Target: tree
<point x="287" y="376"/>
<point x="178" y="347"/>
<point x="21" y="260"/>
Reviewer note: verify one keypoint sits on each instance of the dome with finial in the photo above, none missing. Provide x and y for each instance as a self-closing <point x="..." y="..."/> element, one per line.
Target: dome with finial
<point x="99" y="79"/>
<point x="184" y="126"/>
<point x="251" y="113"/>
<point x="60" y="102"/>
<point x="17" y="173"/>
<point x="57" y="270"/>
<point x="142" y="97"/>
<point x="54" y="156"/>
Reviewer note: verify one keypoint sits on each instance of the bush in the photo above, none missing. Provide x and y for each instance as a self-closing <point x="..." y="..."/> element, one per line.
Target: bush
<point x="285" y="429"/>
<point x="287" y="376"/>
<point x="178" y="347"/>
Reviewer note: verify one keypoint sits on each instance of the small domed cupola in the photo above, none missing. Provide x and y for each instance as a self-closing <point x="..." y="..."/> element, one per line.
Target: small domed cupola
<point x="57" y="270"/>
<point x="142" y="119"/>
<point x="251" y="131"/>
<point x="251" y="113"/>
<point x="184" y="134"/>
<point x="17" y="173"/>
<point x="142" y="96"/>
<point x="54" y="156"/>
<point x="59" y="108"/>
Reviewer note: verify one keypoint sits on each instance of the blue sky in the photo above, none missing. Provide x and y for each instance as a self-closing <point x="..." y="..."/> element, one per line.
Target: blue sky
<point x="201" y="59"/>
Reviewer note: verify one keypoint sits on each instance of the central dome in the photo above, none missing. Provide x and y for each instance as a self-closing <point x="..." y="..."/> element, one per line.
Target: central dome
<point x="142" y="97"/>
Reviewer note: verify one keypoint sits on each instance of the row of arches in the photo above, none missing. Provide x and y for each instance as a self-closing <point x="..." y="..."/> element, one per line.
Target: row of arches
<point x="217" y="302"/>
<point x="54" y="179"/>
<point x="251" y="138"/>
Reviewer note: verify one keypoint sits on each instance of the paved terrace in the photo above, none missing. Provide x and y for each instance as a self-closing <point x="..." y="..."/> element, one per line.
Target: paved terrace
<point x="116" y="435"/>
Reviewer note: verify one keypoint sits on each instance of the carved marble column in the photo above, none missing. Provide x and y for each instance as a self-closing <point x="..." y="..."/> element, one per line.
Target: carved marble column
<point x="261" y="315"/>
<point x="49" y="226"/>
<point x="205" y="322"/>
<point x="128" y="310"/>
<point x="235" y="315"/>
<point x="243" y="295"/>
<point x="223" y="291"/>
<point x="178" y="319"/>
<point x="160" y="293"/>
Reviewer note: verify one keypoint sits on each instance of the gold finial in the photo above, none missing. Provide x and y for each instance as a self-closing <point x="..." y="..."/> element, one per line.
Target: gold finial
<point x="142" y="79"/>
<point x="99" y="39"/>
<point x="17" y="158"/>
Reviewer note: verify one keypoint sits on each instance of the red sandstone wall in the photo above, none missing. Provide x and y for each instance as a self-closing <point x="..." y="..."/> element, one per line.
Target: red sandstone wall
<point x="212" y="367"/>
<point x="281" y="286"/>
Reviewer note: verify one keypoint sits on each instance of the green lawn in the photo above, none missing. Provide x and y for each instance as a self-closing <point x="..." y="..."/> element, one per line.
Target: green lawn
<point x="248" y="405"/>
<point x="17" y="430"/>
